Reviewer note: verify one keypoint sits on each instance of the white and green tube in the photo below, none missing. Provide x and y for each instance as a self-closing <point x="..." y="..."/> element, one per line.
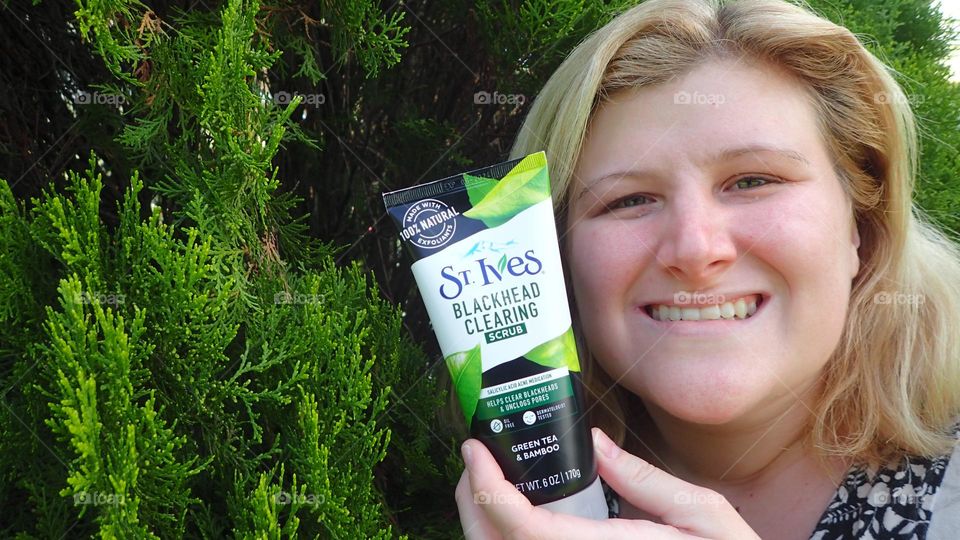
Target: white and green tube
<point x="487" y="264"/>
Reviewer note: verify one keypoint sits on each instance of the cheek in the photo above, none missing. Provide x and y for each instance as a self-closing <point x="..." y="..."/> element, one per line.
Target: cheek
<point x="811" y="237"/>
<point x="805" y="242"/>
<point x="605" y="261"/>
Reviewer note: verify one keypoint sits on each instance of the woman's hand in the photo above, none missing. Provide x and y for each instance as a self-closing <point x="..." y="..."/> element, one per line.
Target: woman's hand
<point x="491" y="508"/>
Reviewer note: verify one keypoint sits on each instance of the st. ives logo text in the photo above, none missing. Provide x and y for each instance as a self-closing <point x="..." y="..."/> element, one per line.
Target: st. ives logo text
<point x="486" y="272"/>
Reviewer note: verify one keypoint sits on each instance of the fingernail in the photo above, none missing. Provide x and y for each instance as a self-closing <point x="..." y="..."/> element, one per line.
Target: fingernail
<point x="467" y="454"/>
<point x="604" y="444"/>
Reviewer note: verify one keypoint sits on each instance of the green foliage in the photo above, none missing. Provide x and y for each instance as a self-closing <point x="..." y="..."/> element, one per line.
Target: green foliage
<point x="218" y="169"/>
<point x="197" y="367"/>
<point x="362" y="28"/>
<point x="148" y="397"/>
<point x="530" y="38"/>
<point x="124" y="454"/>
<point x="117" y="41"/>
<point x="911" y="37"/>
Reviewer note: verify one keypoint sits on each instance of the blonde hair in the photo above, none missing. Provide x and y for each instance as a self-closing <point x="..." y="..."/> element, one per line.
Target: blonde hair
<point x="892" y="387"/>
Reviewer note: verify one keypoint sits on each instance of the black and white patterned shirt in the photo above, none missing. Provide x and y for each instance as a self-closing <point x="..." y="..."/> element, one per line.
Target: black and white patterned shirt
<point x="917" y="500"/>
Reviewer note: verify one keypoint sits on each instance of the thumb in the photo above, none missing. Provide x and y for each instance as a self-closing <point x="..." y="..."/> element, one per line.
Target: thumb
<point x="506" y="508"/>
<point x="688" y="507"/>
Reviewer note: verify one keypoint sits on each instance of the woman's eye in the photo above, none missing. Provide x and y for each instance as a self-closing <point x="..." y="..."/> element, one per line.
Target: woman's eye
<point x="627" y="202"/>
<point x="748" y="182"/>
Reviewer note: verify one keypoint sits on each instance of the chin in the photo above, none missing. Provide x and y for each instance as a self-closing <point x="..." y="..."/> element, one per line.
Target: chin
<point x="704" y="412"/>
<point x="713" y="399"/>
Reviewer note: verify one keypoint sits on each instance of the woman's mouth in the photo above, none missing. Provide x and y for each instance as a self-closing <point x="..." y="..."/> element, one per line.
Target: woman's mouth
<point x="741" y="308"/>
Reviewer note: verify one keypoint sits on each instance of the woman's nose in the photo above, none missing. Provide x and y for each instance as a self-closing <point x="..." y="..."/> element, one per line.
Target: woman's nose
<point x="697" y="243"/>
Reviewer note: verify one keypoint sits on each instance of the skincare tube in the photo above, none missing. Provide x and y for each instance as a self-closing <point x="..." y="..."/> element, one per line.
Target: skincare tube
<point x="487" y="264"/>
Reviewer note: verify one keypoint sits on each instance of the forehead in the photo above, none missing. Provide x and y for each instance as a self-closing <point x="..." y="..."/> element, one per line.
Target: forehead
<point x="715" y="106"/>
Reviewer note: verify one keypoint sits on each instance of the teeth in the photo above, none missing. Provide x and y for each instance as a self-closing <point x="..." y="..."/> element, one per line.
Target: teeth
<point x="740" y="309"/>
<point x="743" y="308"/>
<point x="710" y="313"/>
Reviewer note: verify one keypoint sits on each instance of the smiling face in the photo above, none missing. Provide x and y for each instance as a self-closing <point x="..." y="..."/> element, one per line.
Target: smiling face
<point x="687" y="197"/>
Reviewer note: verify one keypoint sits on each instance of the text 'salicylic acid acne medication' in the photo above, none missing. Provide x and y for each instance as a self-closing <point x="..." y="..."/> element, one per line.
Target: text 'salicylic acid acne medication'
<point x="487" y="264"/>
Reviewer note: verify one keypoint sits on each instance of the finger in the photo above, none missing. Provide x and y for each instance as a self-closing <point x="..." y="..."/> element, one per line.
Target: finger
<point x="688" y="507"/>
<point x="507" y="509"/>
<point x="476" y="525"/>
<point x="506" y="513"/>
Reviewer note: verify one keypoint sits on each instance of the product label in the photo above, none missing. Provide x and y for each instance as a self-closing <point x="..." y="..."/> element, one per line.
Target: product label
<point x="490" y="275"/>
<point x="502" y="288"/>
<point x="547" y="395"/>
<point x="429" y="224"/>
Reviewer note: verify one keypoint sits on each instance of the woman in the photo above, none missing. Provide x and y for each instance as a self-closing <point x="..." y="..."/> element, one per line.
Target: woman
<point x="771" y="329"/>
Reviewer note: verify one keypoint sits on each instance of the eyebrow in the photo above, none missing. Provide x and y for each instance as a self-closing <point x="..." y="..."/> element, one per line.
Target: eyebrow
<point x="728" y="153"/>
<point x="757" y="148"/>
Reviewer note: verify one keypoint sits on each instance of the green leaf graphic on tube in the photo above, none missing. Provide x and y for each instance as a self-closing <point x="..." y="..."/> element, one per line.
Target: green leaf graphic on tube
<point x="502" y="264"/>
<point x="524" y="186"/>
<point x="478" y="187"/>
<point x="559" y="352"/>
<point x="465" y="370"/>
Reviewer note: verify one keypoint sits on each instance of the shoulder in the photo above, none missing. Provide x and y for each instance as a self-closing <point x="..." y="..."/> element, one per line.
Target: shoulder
<point x="945" y="522"/>
<point x="917" y="498"/>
